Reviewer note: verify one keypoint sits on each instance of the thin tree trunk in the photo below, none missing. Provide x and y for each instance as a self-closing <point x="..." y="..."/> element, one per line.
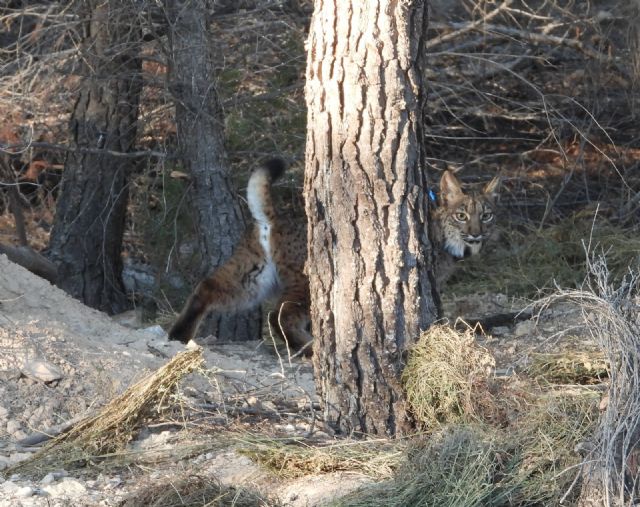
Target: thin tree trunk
<point x="372" y="290"/>
<point x="86" y="240"/>
<point x="200" y="126"/>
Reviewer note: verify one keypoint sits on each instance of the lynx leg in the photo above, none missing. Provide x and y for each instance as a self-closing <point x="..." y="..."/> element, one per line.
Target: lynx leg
<point x="209" y="295"/>
<point x="291" y="320"/>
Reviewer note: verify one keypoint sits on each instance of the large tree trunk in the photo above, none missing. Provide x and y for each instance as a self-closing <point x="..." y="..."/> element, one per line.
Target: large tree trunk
<point x="86" y="241"/>
<point x="200" y="128"/>
<point x="369" y="266"/>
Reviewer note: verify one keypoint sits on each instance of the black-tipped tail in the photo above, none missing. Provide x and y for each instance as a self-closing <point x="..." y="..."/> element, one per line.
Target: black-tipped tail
<point x="275" y="167"/>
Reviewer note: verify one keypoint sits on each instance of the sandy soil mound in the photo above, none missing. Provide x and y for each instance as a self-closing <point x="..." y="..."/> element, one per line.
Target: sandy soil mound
<point x="60" y="361"/>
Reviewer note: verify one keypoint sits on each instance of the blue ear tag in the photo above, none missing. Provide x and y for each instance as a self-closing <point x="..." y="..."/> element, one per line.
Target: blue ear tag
<point x="432" y="196"/>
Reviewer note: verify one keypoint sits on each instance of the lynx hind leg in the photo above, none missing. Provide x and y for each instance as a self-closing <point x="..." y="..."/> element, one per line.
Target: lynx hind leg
<point x="216" y="294"/>
<point x="291" y="320"/>
<point x="184" y="329"/>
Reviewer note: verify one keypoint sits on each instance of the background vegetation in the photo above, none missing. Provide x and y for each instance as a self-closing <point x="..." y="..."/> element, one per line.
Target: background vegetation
<point x="544" y="93"/>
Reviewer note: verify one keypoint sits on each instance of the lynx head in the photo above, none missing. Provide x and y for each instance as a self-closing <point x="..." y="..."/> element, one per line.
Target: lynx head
<point x="466" y="218"/>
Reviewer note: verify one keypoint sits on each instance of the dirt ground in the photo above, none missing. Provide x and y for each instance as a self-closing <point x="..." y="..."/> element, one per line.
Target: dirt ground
<point x="60" y="361"/>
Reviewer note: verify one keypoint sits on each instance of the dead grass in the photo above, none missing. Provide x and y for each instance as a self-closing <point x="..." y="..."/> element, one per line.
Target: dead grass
<point x="446" y="378"/>
<point x="194" y="490"/>
<point x="116" y="424"/>
<point x="534" y="260"/>
<point x="374" y="458"/>
<point x="530" y="458"/>
<point x="610" y="310"/>
<point x="569" y="367"/>
<point x="533" y="462"/>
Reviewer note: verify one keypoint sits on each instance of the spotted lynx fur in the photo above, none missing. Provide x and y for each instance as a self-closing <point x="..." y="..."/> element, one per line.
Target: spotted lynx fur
<point x="269" y="260"/>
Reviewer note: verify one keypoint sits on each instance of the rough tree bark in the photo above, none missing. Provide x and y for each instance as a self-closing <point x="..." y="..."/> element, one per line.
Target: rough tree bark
<point x="200" y="129"/>
<point x="86" y="240"/>
<point x="369" y="263"/>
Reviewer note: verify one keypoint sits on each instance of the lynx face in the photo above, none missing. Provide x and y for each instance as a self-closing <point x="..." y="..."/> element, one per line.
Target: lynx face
<point x="466" y="219"/>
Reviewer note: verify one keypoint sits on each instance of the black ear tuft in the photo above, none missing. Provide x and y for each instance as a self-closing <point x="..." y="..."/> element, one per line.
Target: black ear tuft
<point x="275" y="166"/>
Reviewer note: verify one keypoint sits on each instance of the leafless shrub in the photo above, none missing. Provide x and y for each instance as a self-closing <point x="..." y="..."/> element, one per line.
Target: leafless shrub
<point x="610" y="471"/>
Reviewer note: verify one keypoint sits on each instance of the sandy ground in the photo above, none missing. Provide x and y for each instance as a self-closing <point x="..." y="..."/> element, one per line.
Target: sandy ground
<point x="60" y="360"/>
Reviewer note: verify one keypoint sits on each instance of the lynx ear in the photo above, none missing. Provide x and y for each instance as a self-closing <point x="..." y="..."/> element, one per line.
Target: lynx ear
<point x="450" y="188"/>
<point x="493" y="187"/>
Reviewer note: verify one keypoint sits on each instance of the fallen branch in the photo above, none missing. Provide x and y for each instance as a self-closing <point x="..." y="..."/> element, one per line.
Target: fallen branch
<point x="31" y="260"/>
<point x="491" y="321"/>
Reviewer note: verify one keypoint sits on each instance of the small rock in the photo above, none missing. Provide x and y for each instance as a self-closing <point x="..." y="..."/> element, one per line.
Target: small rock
<point x="114" y="482"/>
<point x="13" y="426"/>
<point x="20" y="435"/>
<point x="525" y="328"/>
<point x="131" y="319"/>
<point x="3" y="413"/>
<point x="67" y="488"/>
<point x="8" y="488"/>
<point x="155" y="332"/>
<point x="48" y="479"/>
<point x="39" y="369"/>
<point x="41" y="416"/>
<point x="191" y="345"/>
<point x="25" y="492"/>
<point x="16" y="457"/>
<point x="269" y="406"/>
<point x="500" y="330"/>
<point x="52" y="477"/>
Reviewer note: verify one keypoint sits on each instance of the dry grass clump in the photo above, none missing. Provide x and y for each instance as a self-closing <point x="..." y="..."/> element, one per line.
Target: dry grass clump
<point x="569" y="367"/>
<point x="194" y="490"/>
<point x="546" y="461"/>
<point x="534" y="259"/>
<point x="531" y="463"/>
<point x="117" y="423"/>
<point x="374" y="458"/>
<point x="447" y="378"/>
<point x="455" y="468"/>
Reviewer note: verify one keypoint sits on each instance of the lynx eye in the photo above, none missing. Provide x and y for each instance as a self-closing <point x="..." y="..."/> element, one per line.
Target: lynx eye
<point x="486" y="217"/>
<point x="461" y="217"/>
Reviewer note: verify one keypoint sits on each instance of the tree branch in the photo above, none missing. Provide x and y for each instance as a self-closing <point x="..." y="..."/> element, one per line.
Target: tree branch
<point x="14" y="149"/>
